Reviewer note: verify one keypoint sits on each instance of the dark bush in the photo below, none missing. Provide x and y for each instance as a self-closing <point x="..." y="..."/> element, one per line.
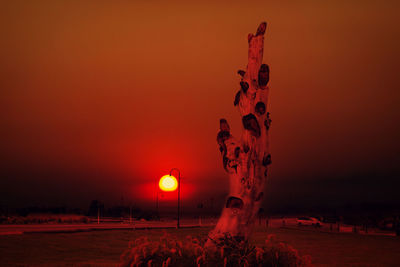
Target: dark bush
<point x="169" y="251"/>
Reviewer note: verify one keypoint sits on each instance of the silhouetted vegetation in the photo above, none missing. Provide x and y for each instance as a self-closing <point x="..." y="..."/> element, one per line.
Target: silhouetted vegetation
<point x="170" y="251"/>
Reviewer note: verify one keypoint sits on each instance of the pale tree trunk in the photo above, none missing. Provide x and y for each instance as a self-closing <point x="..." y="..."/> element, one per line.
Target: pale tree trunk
<point x="246" y="160"/>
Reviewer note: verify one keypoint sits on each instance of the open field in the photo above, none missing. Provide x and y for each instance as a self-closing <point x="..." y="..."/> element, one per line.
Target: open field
<point x="103" y="248"/>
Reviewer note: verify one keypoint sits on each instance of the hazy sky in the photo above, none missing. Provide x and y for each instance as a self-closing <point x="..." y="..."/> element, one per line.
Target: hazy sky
<point x="99" y="99"/>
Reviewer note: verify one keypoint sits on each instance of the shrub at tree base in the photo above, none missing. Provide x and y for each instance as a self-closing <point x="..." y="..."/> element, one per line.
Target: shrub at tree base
<point x="170" y="251"/>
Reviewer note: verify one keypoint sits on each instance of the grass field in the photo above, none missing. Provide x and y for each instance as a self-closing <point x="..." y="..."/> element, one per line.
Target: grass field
<point x="103" y="248"/>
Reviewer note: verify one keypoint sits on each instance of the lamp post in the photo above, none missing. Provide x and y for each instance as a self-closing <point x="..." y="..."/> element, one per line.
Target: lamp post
<point x="179" y="193"/>
<point x="158" y="216"/>
<point x="157" y="201"/>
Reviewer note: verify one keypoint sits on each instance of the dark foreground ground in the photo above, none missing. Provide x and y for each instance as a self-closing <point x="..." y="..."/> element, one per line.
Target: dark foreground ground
<point x="103" y="248"/>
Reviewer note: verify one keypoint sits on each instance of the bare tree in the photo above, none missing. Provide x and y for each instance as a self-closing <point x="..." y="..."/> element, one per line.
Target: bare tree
<point x="246" y="160"/>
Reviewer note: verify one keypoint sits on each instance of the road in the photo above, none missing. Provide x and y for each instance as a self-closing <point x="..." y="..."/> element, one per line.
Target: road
<point x="288" y="222"/>
<point x="8" y="229"/>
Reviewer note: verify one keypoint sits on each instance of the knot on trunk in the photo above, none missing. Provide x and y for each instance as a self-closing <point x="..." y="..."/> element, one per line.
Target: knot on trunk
<point x="241" y="72"/>
<point x="263" y="75"/>
<point x="260" y="108"/>
<point x="234" y="203"/>
<point x="223" y="125"/>
<point x="267" y="122"/>
<point x="244" y="86"/>
<point x="237" y="99"/>
<point x="221" y="137"/>
<point x="250" y="123"/>
<point x="266" y="160"/>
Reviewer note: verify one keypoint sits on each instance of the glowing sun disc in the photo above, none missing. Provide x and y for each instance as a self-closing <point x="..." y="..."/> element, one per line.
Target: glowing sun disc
<point x="168" y="183"/>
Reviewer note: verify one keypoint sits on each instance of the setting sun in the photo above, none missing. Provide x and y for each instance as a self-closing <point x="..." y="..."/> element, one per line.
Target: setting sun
<point x="168" y="183"/>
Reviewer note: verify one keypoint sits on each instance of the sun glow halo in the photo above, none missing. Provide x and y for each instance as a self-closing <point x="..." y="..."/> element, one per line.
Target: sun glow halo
<point x="168" y="183"/>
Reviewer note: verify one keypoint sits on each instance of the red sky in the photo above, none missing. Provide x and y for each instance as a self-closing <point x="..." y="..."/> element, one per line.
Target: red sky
<point x="98" y="100"/>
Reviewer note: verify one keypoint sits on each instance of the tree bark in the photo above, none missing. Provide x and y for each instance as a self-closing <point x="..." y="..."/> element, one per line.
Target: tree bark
<point x="246" y="160"/>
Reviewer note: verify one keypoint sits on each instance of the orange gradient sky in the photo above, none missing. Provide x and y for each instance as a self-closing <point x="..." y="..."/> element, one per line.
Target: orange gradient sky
<point x="98" y="100"/>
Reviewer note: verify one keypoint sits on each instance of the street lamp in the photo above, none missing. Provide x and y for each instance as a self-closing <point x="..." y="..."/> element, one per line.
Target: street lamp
<point x="179" y="193"/>
<point x="158" y="201"/>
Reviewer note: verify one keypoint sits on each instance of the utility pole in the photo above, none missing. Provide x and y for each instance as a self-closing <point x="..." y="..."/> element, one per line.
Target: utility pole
<point x="179" y="195"/>
<point x="98" y="213"/>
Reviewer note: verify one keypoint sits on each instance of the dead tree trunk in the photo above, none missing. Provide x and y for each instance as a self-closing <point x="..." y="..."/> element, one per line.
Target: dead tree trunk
<point x="246" y="160"/>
